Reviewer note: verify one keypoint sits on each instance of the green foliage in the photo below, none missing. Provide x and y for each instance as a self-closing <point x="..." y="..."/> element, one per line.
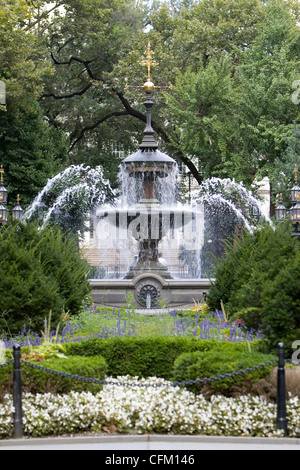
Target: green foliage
<point x="41" y="271"/>
<point x="44" y="352"/>
<point x="282" y="176"/>
<point x="222" y="358"/>
<point x="231" y="64"/>
<point x="142" y="357"/>
<point x="39" y="381"/>
<point x="258" y="281"/>
<point x="22" y="66"/>
<point x="31" y="151"/>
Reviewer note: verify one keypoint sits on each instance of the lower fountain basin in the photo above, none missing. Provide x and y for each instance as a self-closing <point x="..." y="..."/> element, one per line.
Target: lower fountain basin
<point x="166" y="292"/>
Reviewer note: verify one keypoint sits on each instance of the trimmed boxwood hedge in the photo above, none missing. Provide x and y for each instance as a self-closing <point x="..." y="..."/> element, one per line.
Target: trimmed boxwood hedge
<point x="220" y="361"/>
<point x="39" y="381"/>
<point x="146" y="357"/>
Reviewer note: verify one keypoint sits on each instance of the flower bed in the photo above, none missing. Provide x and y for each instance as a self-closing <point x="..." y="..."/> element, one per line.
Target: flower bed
<point x="105" y="323"/>
<point x="142" y="409"/>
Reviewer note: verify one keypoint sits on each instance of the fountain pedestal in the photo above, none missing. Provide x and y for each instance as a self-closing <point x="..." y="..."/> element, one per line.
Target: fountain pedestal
<point x="148" y="252"/>
<point x="169" y="292"/>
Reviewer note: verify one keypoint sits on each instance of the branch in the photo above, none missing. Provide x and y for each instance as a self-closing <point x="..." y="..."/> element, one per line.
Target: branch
<point x="93" y="126"/>
<point x="86" y="63"/>
<point x="44" y="15"/>
<point x="75" y="93"/>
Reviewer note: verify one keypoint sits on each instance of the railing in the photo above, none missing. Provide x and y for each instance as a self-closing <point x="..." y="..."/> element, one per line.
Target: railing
<point x="281" y="418"/>
<point x="119" y="271"/>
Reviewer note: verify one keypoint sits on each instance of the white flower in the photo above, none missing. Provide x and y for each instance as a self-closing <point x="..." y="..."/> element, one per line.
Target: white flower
<point x="148" y="409"/>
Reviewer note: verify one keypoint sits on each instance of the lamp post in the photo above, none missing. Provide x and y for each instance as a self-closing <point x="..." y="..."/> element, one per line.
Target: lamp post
<point x="17" y="210"/>
<point x="281" y="211"/>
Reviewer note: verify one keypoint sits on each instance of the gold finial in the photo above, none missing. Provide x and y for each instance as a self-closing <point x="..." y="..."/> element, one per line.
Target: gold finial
<point x="149" y="86"/>
<point x="296" y="173"/>
<point x="280" y="197"/>
<point x="1" y="173"/>
<point x="18" y="198"/>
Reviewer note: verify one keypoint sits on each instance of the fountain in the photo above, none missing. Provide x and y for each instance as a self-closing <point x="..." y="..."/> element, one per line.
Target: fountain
<point x="147" y="217"/>
<point x="148" y="221"/>
<point x="155" y="244"/>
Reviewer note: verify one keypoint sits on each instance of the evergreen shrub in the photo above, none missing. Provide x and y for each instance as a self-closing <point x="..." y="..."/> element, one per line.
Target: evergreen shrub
<point x="258" y="280"/>
<point x="144" y="357"/>
<point x="222" y="358"/>
<point x="41" y="270"/>
<point x="36" y="380"/>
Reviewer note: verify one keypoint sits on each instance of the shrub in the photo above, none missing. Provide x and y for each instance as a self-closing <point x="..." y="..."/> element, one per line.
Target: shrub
<point x="41" y="270"/>
<point x="144" y="357"/>
<point x="36" y="380"/>
<point x="221" y="359"/>
<point x="259" y="281"/>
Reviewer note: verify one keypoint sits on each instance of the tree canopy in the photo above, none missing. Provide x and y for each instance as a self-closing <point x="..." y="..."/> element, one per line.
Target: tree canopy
<point x="232" y="64"/>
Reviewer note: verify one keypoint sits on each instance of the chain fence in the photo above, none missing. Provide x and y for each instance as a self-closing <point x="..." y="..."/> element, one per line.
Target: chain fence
<point x="183" y="383"/>
<point x="17" y="384"/>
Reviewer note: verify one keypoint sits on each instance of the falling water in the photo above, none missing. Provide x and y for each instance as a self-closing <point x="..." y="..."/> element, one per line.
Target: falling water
<point x="76" y="182"/>
<point x="62" y="176"/>
<point x="81" y="183"/>
<point x="148" y="300"/>
<point x="225" y="191"/>
<point x="132" y="188"/>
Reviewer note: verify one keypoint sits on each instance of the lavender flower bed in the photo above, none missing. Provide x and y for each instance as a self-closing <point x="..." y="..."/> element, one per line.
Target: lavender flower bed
<point x="103" y="323"/>
<point x="213" y="326"/>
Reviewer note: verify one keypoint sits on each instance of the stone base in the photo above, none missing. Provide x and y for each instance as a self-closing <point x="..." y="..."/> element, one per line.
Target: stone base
<point x="149" y="288"/>
<point x="151" y="268"/>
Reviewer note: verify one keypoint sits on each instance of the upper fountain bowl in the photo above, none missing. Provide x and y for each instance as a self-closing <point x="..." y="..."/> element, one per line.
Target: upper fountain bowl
<point x="144" y="161"/>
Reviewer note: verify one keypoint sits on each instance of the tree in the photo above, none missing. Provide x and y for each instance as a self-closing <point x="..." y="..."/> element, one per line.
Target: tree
<point x="266" y="111"/>
<point x="202" y="110"/>
<point x="31" y="151"/>
<point x="41" y="271"/>
<point x="234" y="112"/>
<point x="95" y="55"/>
<point x="282" y="175"/>
<point x="258" y="282"/>
<point x="86" y="41"/>
<point x="30" y="148"/>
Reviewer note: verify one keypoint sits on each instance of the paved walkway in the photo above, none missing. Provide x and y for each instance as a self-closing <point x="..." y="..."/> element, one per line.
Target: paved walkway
<point x="157" y="311"/>
<point x="160" y="311"/>
<point x="150" y="443"/>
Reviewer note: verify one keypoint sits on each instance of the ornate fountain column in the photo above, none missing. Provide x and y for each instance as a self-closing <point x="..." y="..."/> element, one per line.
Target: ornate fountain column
<point x="148" y="164"/>
<point x="148" y="221"/>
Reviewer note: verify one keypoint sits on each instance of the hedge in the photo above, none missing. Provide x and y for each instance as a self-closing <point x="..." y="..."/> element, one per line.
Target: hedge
<point x="146" y="357"/>
<point x="39" y="381"/>
<point x="220" y="361"/>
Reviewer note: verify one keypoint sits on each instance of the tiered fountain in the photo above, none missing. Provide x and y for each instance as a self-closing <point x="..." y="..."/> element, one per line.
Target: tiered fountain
<point x="146" y="218"/>
<point x="147" y="229"/>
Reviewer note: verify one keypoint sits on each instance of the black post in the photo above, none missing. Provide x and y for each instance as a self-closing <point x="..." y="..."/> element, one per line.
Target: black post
<point x="281" y="421"/>
<point x="17" y="392"/>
